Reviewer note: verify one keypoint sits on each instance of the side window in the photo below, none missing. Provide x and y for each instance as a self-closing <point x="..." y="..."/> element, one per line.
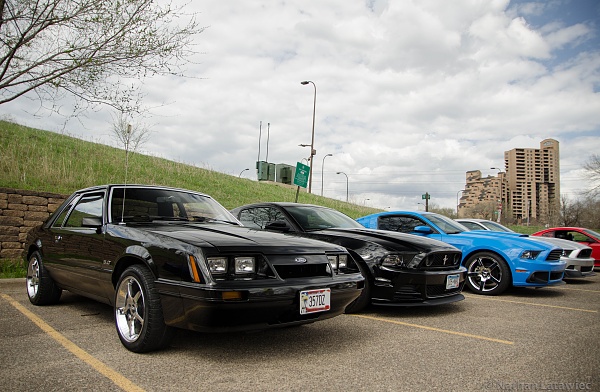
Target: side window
<point x="402" y="224"/>
<point x="63" y="215"/>
<point x="88" y="206"/>
<point x="259" y="217"/>
<point x="576" y="236"/>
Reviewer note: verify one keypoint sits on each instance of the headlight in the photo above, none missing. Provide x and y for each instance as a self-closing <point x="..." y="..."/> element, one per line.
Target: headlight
<point x="530" y="254"/>
<point x="338" y="261"/>
<point x="402" y="260"/>
<point x="244" y="265"/>
<point x="393" y="260"/>
<point x="217" y="265"/>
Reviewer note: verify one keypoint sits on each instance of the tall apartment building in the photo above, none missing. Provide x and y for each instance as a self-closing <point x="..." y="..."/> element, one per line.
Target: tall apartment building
<point x="529" y="189"/>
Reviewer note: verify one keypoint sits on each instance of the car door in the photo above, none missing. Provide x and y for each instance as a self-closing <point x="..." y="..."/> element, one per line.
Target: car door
<point x="78" y="256"/>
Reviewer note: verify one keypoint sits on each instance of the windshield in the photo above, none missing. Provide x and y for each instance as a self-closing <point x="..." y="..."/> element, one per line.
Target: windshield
<point x="318" y="218"/>
<point x="446" y="224"/>
<point x="493" y="226"/>
<point x="148" y="204"/>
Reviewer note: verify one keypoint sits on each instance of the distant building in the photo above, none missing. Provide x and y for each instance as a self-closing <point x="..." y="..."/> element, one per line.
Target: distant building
<point x="528" y="190"/>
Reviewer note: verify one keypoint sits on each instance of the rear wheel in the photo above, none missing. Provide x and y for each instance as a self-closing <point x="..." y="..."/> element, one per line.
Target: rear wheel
<point x="138" y="312"/>
<point x="41" y="289"/>
<point x="487" y="274"/>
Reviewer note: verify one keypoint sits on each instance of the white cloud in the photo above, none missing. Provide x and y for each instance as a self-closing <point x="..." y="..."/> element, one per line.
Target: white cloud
<point x="410" y="95"/>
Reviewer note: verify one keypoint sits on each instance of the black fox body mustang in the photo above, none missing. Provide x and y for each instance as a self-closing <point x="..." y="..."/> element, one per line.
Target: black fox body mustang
<point x="166" y="257"/>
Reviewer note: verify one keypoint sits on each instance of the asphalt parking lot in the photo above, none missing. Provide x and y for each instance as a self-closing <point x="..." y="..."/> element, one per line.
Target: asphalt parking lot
<point x="526" y="339"/>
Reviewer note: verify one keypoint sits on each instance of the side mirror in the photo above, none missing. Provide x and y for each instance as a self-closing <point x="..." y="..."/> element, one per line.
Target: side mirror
<point x="422" y="230"/>
<point x="281" y="226"/>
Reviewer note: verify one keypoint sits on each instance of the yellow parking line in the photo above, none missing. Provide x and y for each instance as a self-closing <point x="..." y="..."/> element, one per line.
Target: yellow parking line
<point x="108" y="372"/>
<point x="570" y="288"/>
<point x="468" y="335"/>
<point x="529" y="303"/>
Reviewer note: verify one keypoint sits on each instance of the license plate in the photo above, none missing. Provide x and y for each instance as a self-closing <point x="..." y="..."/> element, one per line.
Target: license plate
<point x="452" y="282"/>
<point x="312" y="301"/>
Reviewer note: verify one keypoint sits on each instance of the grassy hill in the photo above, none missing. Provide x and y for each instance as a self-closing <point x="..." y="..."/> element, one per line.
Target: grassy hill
<point x="46" y="161"/>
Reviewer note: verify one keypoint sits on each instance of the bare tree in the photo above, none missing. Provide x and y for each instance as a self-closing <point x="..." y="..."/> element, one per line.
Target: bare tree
<point x="94" y="50"/>
<point x="127" y="133"/>
<point x="593" y="173"/>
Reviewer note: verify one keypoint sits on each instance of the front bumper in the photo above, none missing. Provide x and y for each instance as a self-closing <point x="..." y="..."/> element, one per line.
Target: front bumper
<point x="579" y="268"/>
<point x="532" y="273"/>
<point x="264" y="304"/>
<point x="416" y="287"/>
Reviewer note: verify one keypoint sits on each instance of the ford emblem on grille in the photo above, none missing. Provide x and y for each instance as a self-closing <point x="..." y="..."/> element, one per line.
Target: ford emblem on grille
<point x="300" y="260"/>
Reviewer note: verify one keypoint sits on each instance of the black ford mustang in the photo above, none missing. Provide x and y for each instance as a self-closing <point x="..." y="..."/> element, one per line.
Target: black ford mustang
<point x="166" y="257"/>
<point x="400" y="269"/>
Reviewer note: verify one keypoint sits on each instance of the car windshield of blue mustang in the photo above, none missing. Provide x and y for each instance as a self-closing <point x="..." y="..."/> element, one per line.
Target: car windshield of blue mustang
<point x="147" y="205"/>
<point x="317" y="218"/>
<point x="446" y="224"/>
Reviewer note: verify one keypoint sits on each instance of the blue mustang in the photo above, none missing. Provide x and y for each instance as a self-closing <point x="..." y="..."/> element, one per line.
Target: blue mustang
<point x="493" y="261"/>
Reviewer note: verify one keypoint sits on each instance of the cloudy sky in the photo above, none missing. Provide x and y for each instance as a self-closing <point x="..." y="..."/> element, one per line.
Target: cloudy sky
<point x="411" y="94"/>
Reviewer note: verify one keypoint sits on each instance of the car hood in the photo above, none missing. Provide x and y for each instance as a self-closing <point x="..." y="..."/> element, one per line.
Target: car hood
<point x="503" y="240"/>
<point x="391" y="241"/>
<point x="229" y="237"/>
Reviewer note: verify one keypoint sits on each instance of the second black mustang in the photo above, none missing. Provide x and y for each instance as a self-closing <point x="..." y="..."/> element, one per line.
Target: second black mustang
<point x="400" y="269"/>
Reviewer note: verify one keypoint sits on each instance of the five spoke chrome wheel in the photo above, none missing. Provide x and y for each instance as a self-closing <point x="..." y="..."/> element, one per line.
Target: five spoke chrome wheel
<point x="487" y="273"/>
<point x="129" y="309"/>
<point x="33" y="276"/>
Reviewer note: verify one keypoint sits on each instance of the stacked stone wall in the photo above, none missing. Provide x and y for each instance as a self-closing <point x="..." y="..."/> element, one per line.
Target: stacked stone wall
<point x="20" y="211"/>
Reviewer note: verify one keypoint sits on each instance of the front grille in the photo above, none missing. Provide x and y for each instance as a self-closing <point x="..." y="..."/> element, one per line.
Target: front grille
<point x="585" y="254"/>
<point x="290" y="271"/>
<point x="554" y="255"/>
<point x="443" y="260"/>
<point x="439" y="290"/>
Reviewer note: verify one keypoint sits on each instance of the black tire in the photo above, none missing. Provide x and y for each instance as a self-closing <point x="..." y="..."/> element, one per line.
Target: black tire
<point x="487" y="274"/>
<point x="138" y="312"/>
<point x="364" y="299"/>
<point x="41" y="289"/>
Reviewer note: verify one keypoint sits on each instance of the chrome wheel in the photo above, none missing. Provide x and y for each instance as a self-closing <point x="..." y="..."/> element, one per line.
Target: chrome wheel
<point x="129" y="309"/>
<point x="487" y="273"/>
<point x="33" y="276"/>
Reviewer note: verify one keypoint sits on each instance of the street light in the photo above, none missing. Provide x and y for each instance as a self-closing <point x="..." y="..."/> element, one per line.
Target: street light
<point x="457" y="204"/>
<point x="346" y="184"/>
<point x="242" y="172"/>
<point x="312" y="140"/>
<point x="420" y="204"/>
<point x="322" y="168"/>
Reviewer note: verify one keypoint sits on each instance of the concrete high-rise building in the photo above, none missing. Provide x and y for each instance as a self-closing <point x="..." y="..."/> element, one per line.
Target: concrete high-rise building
<point x="528" y="189"/>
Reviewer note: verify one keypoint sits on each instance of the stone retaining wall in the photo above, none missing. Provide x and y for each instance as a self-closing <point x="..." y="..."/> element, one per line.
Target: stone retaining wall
<point x="20" y="211"/>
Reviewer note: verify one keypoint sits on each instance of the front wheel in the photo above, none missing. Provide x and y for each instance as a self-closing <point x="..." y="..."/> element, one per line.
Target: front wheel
<point x="41" y="289"/>
<point x="487" y="274"/>
<point x="138" y="312"/>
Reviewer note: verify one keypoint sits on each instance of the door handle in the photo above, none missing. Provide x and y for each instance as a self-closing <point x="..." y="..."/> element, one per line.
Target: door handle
<point x="57" y="238"/>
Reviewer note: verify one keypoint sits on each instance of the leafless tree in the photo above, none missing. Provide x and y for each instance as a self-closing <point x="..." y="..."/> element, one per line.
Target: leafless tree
<point x="128" y="133"/>
<point x="592" y="167"/>
<point x="94" y="50"/>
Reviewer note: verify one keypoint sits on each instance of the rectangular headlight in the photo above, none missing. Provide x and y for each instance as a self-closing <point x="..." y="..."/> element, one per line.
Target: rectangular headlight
<point x="342" y="261"/>
<point x="244" y="265"/>
<point x="333" y="260"/>
<point x="217" y="265"/>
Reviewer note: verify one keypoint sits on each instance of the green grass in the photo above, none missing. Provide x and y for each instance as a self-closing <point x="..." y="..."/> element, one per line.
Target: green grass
<point x="46" y="161"/>
<point x="12" y="269"/>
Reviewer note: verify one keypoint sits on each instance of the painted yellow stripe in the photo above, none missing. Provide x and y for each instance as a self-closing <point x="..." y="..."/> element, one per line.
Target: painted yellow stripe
<point x="529" y="303"/>
<point x="109" y="373"/>
<point x="468" y="335"/>
<point x="570" y="288"/>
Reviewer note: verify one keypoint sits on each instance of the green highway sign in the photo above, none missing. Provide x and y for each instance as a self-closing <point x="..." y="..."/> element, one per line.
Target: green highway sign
<point x="301" y="176"/>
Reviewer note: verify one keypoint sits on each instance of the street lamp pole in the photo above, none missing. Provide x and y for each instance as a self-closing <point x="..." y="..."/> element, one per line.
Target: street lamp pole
<point x="242" y="172"/>
<point x="322" y="170"/>
<point x="457" y="204"/>
<point x="312" y="140"/>
<point x="346" y="184"/>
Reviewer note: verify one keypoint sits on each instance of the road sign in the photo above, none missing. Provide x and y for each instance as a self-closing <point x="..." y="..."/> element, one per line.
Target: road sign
<point x="301" y="176"/>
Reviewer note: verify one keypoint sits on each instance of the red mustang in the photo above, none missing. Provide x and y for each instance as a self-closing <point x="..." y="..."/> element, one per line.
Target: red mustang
<point x="579" y="234"/>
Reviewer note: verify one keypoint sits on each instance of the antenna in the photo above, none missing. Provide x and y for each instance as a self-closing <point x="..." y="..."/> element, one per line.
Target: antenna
<point x="268" y="133"/>
<point x="127" y="139"/>
<point x="259" y="136"/>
